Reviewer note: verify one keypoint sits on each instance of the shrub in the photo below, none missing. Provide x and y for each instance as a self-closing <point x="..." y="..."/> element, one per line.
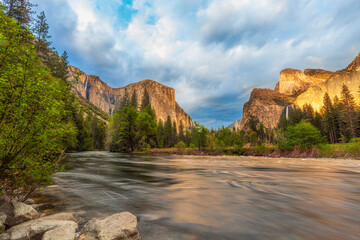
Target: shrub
<point x="303" y="136"/>
<point x="180" y="146"/>
<point x="31" y="111"/>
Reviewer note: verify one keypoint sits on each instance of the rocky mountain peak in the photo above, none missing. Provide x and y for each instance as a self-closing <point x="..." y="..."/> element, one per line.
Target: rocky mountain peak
<point x="293" y="81"/>
<point x="354" y="65"/>
<point x="162" y="98"/>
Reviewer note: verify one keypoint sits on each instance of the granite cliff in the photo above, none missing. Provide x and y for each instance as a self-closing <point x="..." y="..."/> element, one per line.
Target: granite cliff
<point x="297" y="88"/>
<point x="162" y="98"/>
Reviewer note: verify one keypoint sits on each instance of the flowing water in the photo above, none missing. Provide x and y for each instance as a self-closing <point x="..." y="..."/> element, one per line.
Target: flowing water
<point x="222" y="197"/>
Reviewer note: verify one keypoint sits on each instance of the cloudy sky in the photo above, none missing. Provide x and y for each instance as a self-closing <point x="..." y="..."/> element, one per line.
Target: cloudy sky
<point x="213" y="52"/>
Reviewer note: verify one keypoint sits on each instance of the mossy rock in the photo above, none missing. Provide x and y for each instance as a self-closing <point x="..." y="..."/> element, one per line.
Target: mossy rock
<point x="2" y="229"/>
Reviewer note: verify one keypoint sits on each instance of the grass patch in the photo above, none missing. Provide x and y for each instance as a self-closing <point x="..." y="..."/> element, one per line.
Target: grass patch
<point x="343" y="150"/>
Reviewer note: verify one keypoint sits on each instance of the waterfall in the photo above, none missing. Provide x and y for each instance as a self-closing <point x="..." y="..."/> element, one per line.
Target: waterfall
<point x="287" y="112"/>
<point x="86" y="83"/>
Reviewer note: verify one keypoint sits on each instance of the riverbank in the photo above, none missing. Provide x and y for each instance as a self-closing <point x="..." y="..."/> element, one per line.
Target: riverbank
<point x="339" y="150"/>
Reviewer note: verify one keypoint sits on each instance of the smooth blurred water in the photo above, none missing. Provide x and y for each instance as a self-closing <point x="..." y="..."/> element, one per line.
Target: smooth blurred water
<point x="223" y="197"/>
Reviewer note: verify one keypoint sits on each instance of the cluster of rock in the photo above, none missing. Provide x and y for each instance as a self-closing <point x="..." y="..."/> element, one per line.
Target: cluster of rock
<point x="297" y="88"/>
<point x="19" y="221"/>
<point x="162" y="98"/>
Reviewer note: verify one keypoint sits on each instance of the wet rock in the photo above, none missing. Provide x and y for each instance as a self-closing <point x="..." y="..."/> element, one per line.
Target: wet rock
<point x="2" y="222"/>
<point x="17" y="212"/>
<point x="35" y="229"/>
<point x="65" y="232"/>
<point x="29" y="201"/>
<point x="116" y="227"/>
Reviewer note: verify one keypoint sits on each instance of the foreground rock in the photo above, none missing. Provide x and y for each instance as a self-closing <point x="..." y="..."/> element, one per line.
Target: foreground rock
<point x="35" y="229"/>
<point x="65" y="232"/>
<point x="17" y="213"/>
<point x="2" y="222"/>
<point x="116" y="227"/>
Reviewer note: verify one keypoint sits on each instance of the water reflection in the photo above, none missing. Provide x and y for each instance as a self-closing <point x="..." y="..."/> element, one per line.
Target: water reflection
<point x="187" y="197"/>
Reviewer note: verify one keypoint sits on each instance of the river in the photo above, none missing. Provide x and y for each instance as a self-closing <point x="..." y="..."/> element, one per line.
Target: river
<point x="217" y="197"/>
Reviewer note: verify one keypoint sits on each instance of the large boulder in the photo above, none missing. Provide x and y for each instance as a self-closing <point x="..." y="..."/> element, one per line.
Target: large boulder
<point x="65" y="232"/>
<point x="120" y="226"/>
<point x="17" y="213"/>
<point x="35" y="229"/>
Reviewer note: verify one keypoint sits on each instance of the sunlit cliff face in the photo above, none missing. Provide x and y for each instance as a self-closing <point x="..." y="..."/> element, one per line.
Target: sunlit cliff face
<point x="349" y="76"/>
<point x="300" y="88"/>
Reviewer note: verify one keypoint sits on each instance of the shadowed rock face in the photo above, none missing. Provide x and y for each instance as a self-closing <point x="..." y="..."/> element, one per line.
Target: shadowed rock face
<point x="266" y="105"/>
<point x="299" y="88"/>
<point x="162" y="98"/>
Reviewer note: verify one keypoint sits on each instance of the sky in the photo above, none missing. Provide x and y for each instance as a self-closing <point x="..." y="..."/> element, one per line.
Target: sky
<point x="212" y="52"/>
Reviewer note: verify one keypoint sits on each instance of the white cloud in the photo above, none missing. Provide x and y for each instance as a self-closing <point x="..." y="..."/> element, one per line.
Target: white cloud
<point x="212" y="51"/>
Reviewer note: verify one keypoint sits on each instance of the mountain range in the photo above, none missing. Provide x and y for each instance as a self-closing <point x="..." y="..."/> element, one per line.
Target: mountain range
<point x="297" y="88"/>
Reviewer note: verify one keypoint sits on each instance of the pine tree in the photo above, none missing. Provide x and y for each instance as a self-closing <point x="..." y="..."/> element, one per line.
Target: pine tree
<point x="63" y="72"/>
<point x="328" y="119"/>
<point x="309" y="112"/>
<point x="20" y="10"/>
<point x="133" y="100"/>
<point x="174" y="134"/>
<point x="160" y="134"/>
<point x="125" y="101"/>
<point x="41" y="30"/>
<point x="145" y="100"/>
<point x="123" y="134"/>
<point x="168" y="132"/>
<point x="181" y="132"/>
<point x="146" y="126"/>
<point x="349" y="106"/>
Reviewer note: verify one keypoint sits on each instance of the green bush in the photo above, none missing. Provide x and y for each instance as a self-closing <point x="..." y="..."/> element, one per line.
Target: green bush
<point x="303" y="136"/>
<point x="31" y="111"/>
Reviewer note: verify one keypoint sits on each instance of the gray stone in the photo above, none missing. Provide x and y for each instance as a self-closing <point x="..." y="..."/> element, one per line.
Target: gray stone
<point x="2" y="217"/>
<point x="65" y="232"/>
<point x="35" y="229"/>
<point x="29" y="201"/>
<point x="120" y="226"/>
<point x="17" y="213"/>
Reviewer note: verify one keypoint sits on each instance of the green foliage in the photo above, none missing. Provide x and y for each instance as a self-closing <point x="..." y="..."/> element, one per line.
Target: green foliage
<point x="199" y="134"/>
<point x="351" y="149"/>
<point x="20" y="10"/>
<point x="146" y="126"/>
<point x="303" y="136"/>
<point x="168" y="133"/>
<point x="31" y="110"/>
<point x="133" y="100"/>
<point x="180" y="146"/>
